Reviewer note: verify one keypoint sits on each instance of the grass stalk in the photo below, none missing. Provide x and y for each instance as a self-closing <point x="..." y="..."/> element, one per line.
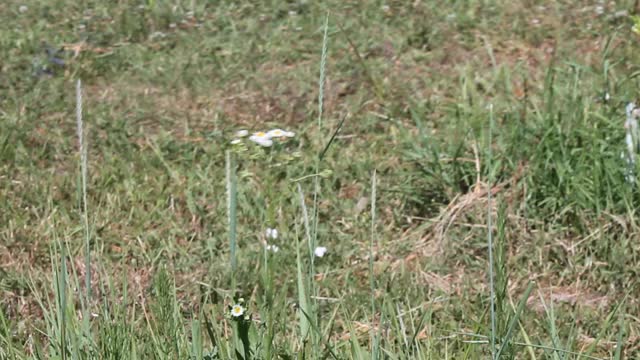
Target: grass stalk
<point x="231" y="184"/>
<point x="372" y="281"/>
<point x="60" y="281"/>
<point x="83" y="174"/>
<point x="313" y="240"/>
<point x="303" y="301"/>
<point x="490" y="242"/>
<point x="316" y="179"/>
<point x="82" y="147"/>
<point x="514" y="320"/>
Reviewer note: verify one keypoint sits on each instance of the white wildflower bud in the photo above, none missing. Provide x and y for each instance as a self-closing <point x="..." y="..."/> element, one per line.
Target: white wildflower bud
<point x="320" y="251"/>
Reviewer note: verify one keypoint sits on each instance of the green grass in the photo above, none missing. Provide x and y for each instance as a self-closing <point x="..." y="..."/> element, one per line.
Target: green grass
<point x="391" y="169"/>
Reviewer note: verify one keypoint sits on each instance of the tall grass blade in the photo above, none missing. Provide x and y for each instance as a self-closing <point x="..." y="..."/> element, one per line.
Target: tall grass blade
<point x="333" y="137"/>
<point x="231" y="214"/>
<point x="490" y="242"/>
<point x="553" y="331"/>
<point x="85" y="213"/>
<point x="303" y="302"/>
<point x="620" y="339"/>
<point x="6" y="346"/>
<point x="318" y="333"/>
<point x="372" y="281"/>
<point x="316" y="179"/>
<point x="60" y="291"/>
<point x="514" y="320"/>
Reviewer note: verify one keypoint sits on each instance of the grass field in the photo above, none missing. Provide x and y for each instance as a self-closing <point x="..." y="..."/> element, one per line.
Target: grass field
<point x="425" y="134"/>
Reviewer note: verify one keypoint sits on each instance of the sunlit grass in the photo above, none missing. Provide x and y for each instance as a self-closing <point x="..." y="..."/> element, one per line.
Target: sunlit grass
<point x="138" y="229"/>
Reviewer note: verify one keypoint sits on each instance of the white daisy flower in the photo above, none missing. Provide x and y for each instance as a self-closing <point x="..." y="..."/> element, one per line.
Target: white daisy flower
<point x="272" y="233"/>
<point x="282" y="133"/>
<point x="320" y="251"/>
<point x="242" y="133"/>
<point x="237" y="310"/>
<point x="273" y="248"/>
<point x="279" y="133"/>
<point x="261" y="138"/>
<point x="276" y="133"/>
<point x="236" y="141"/>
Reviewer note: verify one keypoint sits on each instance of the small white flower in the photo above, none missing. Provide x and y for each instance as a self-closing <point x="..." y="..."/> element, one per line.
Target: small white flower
<point x="242" y="133"/>
<point x="279" y="133"/>
<point x="23" y="8"/>
<point x="236" y="141"/>
<point x="276" y="133"/>
<point x="273" y="248"/>
<point x="261" y="138"/>
<point x="272" y="233"/>
<point x="320" y="251"/>
<point x="237" y="310"/>
<point x="599" y="10"/>
<point x="172" y="26"/>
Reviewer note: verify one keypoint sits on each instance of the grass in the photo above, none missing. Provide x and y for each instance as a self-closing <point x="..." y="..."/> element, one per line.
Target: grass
<point x="394" y="168"/>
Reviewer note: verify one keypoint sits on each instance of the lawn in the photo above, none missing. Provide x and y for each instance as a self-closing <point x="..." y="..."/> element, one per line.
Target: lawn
<point x="452" y="180"/>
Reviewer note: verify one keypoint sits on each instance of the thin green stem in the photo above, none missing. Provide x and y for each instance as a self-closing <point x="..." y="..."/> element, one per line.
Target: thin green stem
<point x="372" y="243"/>
<point x="231" y="214"/>
<point x="490" y="242"/>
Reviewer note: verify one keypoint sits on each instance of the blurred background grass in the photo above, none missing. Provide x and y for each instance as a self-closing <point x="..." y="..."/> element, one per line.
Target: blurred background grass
<point x="167" y="84"/>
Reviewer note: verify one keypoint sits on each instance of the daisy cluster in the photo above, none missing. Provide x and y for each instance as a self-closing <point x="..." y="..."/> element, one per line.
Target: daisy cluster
<point x="272" y="234"/>
<point x="263" y="138"/>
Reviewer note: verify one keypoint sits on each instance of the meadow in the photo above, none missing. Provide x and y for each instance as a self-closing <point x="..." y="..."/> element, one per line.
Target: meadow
<point x="319" y="180"/>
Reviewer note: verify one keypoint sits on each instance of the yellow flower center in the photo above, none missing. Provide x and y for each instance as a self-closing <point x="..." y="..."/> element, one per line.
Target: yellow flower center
<point x="237" y="310"/>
